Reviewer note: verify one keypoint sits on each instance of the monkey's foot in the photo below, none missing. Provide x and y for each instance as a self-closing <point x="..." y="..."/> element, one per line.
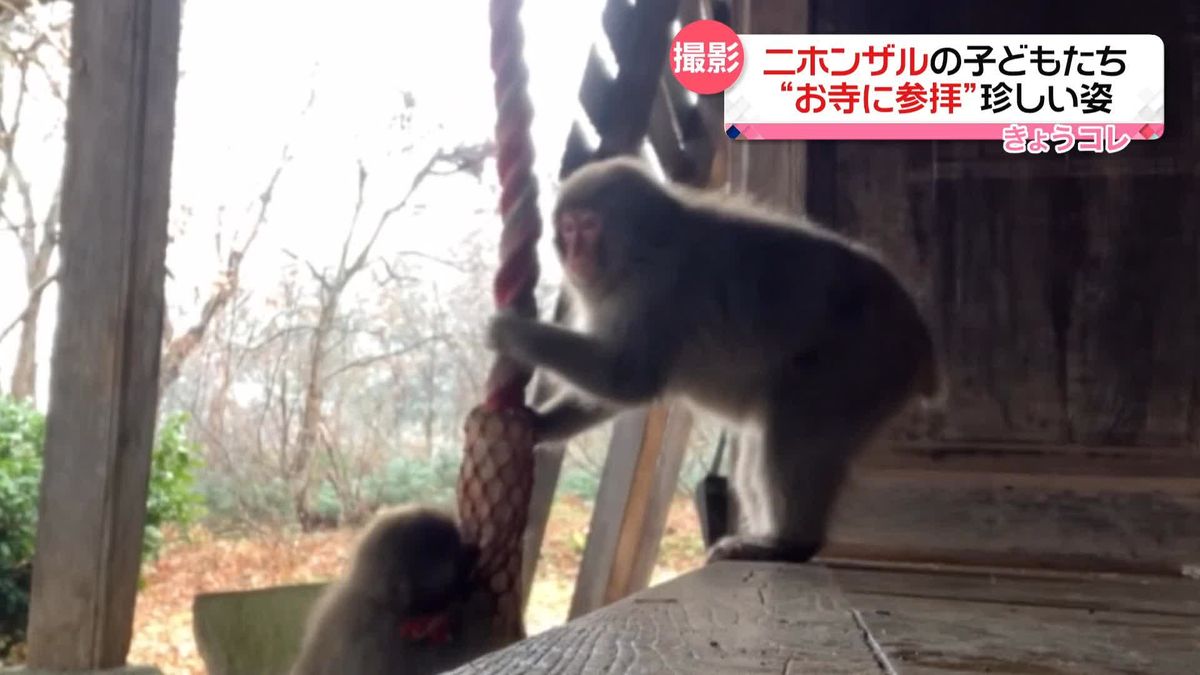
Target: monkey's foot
<point x="761" y="549"/>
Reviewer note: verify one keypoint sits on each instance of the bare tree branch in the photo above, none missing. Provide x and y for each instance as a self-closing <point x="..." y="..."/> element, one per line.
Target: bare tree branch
<point x="333" y="284"/>
<point x="281" y="333"/>
<point x="376" y="358"/>
<point x="452" y="264"/>
<point x="317" y="275"/>
<point x="356" y="215"/>
<point x="35" y="295"/>
<point x="225" y="288"/>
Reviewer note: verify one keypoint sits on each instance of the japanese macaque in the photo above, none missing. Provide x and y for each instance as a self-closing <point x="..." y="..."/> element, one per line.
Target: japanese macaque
<point x="408" y="604"/>
<point x="803" y="340"/>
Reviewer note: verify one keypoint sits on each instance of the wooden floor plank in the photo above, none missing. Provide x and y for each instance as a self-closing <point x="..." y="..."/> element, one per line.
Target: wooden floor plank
<point x="791" y="619"/>
<point x="723" y="618"/>
<point x="938" y="622"/>
<point x="1135" y="594"/>
<point x="927" y="636"/>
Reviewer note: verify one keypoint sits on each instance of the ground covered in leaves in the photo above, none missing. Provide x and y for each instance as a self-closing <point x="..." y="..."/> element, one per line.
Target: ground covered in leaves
<point x="204" y="563"/>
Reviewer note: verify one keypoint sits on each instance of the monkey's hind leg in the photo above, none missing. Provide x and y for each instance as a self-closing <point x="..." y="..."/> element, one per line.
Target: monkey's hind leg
<point x="749" y="507"/>
<point x="801" y="467"/>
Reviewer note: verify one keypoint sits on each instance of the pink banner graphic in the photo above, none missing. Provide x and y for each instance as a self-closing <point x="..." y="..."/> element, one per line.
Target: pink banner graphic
<point x="932" y="131"/>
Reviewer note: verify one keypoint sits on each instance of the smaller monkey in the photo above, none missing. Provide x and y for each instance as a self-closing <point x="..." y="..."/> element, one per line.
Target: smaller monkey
<point x="407" y="606"/>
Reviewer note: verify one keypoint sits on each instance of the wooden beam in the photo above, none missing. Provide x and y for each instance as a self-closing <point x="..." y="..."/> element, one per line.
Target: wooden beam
<point x="679" y="133"/>
<point x="1035" y="519"/>
<point x="646" y="513"/>
<point x="616" y="483"/>
<point x="103" y="390"/>
<point x="596" y="95"/>
<point x="776" y="171"/>
<point x="640" y="475"/>
<point x="645" y="44"/>
<point x="577" y="151"/>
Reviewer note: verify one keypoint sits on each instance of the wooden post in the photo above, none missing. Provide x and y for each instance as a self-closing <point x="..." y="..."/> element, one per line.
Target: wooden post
<point x="640" y="474"/>
<point x="104" y="379"/>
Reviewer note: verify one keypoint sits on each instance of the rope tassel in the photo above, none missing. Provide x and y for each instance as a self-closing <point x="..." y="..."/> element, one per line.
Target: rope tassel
<point x="493" y="501"/>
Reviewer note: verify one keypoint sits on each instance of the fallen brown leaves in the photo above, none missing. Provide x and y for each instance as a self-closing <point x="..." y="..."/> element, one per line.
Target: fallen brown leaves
<point x="204" y="563"/>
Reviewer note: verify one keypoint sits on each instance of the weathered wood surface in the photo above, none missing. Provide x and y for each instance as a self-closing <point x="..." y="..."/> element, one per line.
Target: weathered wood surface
<point x="252" y="632"/>
<point x="104" y="381"/>
<point x="724" y="618"/>
<point x="764" y="618"/>
<point x="1064" y="289"/>
<point x="630" y="512"/>
<point x="684" y="129"/>
<point x="619" y="108"/>
<point x="1064" y="292"/>
<point x="996" y="518"/>
<point x="943" y="621"/>
<point x="1131" y="594"/>
<point x="937" y="636"/>
<point x="774" y="171"/>
<point x="937" y="623"/>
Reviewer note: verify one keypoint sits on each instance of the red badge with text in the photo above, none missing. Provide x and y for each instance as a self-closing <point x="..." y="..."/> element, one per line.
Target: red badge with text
<point x="707" y="57"/>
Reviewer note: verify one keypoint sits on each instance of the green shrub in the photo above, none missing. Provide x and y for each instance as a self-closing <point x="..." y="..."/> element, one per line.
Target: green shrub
<point x="172" y="500"/>
<point x="229" y="500"/>
<point x="579" y="482"/>
<point x="326" y="504"/>
<point x="21" y="433"/>
<point x="406" y="480"/>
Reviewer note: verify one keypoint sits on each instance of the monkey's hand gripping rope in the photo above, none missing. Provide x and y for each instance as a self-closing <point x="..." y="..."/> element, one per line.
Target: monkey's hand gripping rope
<point x="496" y="476"/>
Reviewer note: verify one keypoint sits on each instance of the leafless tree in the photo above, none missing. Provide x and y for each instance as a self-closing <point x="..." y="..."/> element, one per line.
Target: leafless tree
<point x="33" y="66"/>
<point x="332" y="284"/>
<point x="176" y="349"/>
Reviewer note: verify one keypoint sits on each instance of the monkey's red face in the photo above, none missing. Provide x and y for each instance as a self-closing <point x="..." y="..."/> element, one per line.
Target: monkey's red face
<point x="577" y="236"/>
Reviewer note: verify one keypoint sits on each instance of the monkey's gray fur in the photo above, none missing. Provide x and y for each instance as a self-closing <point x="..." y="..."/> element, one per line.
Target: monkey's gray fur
<point x="804" y="339"/>
<point x="409" y="562"/>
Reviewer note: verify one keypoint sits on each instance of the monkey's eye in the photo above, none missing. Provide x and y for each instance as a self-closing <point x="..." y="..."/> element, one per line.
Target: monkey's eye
<point x="571" y="222"/>
<point x="588" y="222"/>
<point x="566" y="224"/>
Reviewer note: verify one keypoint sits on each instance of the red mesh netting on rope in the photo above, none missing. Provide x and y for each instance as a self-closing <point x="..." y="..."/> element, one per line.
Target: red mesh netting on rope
<point x="496" y="476"/>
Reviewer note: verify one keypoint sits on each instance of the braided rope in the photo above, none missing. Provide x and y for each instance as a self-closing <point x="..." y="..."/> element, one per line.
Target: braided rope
<point x="513" y="288"/>
<point x="496" y="477"/>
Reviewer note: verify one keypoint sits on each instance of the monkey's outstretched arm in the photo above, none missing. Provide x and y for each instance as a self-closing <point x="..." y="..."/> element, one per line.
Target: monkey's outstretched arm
<point x="617" y="373"/>
<point x="568" y="415"/>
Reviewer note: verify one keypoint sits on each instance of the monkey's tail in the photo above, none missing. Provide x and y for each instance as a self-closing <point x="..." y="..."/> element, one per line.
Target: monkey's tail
<point x="931" y="378"/>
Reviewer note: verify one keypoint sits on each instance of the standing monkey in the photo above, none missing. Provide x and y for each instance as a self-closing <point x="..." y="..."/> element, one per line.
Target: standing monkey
<point x="407" y="606"/>
<point x="805" y="340"/>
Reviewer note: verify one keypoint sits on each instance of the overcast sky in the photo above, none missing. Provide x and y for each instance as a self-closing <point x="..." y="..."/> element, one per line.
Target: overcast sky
<point x="248" y="69"/>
